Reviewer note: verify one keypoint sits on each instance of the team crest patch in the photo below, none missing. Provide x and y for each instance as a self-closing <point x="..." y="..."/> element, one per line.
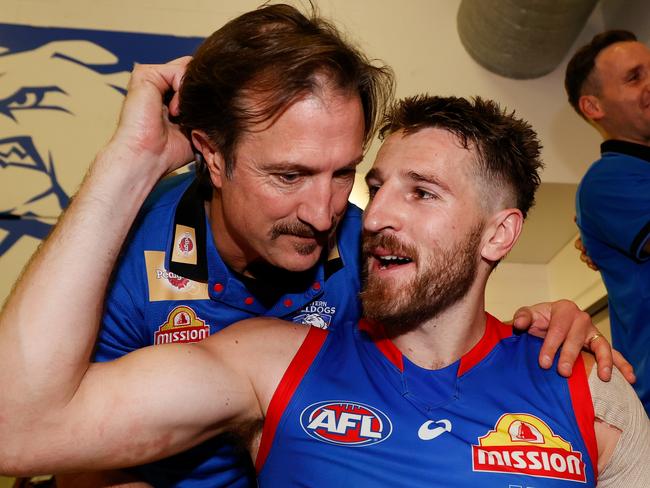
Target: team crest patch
<point x="523" y="444"/>
<point x="317" y="314"/>
<point x="322" y="321"/>
<point x="346" y="423"/>
<point x="182" y="326"/>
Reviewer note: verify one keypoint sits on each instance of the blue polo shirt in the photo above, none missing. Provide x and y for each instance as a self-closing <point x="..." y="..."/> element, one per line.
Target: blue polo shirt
<point x="613" y="213"/>
<point x="172" y="286"/>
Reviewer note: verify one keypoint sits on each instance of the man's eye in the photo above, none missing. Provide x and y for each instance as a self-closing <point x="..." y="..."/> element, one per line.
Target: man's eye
<point x="346" y="173"/>
<point x="425" y="194"/>
<point x="288" y="177"/>
<point x="372" y="191"/>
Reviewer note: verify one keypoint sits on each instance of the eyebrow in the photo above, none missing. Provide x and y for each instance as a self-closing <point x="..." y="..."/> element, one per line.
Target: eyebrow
<point x="431" y="178"/>
<point x="428" y="178"/>
<point x="296" y="166"/>
<point x="632" y="70"/>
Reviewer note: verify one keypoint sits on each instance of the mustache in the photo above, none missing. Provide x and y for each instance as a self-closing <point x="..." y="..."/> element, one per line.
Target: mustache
<point x="389" y="242"/>
<point x="298" y="229"/>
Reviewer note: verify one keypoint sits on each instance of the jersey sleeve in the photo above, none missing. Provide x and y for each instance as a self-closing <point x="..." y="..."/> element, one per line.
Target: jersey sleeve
<point x="614" y="206"/>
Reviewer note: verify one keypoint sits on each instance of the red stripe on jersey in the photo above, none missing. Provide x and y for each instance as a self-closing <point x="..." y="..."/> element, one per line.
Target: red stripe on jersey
<point x="376" y="332"/>
<point x="495" y="331"/>
<point x="286" y="388"/>
<point x="583" y="407"/>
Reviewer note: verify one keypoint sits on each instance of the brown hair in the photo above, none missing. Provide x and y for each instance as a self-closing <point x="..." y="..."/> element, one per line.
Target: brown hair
<point x="507" y="147"/>
<point x="277" y="52"/>
<point x="581" y="65"/>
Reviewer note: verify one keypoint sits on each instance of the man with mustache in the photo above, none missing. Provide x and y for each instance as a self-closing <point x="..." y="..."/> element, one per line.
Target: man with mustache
<point x="264" y="229"/>
<point x="427" y="388"/>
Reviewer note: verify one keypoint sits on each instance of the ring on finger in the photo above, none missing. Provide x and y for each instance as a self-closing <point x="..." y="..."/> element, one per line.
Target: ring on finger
<point x="594" y="337"/>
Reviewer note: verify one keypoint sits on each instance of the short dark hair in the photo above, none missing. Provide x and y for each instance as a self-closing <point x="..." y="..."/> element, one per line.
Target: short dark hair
<point x="278" y="53"/>
<point x="581" y="65"/>
<point x="507" y="148"/>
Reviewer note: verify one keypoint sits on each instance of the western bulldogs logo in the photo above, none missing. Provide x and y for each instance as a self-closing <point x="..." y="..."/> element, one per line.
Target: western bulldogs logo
<point x="346" y="423"/>
<point x="321" y="321"/>
<point x="317" y="314"/>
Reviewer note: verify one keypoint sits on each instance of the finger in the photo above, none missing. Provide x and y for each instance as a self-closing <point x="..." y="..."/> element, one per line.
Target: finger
<point x="523" y="318"/>
<point x="555" y="336"/>
<point x="569" y="326"/>
<point x="603" y="352"/>
<point x="176" y="80"/>
<point x="624" y="366"/>
<point x="571" y="349"/>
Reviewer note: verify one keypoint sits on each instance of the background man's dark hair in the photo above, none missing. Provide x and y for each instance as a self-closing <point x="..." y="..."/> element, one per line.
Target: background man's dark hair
<point x="274" y="54"/>
<point x="579" y="70"/>
<point x="507" y="147"/>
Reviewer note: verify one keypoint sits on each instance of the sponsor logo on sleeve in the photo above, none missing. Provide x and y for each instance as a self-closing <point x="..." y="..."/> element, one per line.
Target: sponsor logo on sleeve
<point x="182" y="326"/>
<point x="184" y="245"/>
<point x="164" y="285"/>
<point x="318" y="314"/>
<point x="524" y="444"/>
<point x="346" y="423"/>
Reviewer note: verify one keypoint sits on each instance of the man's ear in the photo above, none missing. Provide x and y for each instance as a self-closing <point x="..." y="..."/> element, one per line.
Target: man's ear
<point x="502" y="233"/>
<point x="590" y="107"/>
<point x="211" y="155"/>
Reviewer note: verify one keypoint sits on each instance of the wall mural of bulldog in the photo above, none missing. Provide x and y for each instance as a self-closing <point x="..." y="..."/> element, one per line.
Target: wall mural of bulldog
<point x="60" y="95"/>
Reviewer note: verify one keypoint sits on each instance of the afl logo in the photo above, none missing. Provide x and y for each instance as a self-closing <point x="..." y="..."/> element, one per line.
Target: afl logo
<point x="346" y="423"/>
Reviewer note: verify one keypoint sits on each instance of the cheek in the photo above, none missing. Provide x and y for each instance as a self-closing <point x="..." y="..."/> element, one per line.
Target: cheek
<point x="340" y="199"/>
<point x="273" y="208"/>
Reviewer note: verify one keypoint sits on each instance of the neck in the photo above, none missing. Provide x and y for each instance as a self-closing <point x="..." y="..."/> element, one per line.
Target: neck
<point x="445" y="338"/>
<point x="233" y="253"/>
<point x="644" y="141"/>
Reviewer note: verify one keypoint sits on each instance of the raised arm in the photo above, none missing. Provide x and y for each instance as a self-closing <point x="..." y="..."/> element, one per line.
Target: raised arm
<point x="57" y="412"/>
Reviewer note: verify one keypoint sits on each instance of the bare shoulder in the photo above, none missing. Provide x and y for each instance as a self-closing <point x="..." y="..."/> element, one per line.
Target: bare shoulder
<point x="260" y="336"/>
<point x="260" y="348"/>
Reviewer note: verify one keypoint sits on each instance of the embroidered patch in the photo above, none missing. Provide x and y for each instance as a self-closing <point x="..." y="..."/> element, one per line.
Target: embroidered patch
<point x="182" y="326"/>
<point x="184" y="245"/>
<point x="165" y="285"/>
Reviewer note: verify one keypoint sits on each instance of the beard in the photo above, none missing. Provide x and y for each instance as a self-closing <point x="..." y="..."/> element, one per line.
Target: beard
<point x="439" y="283"/>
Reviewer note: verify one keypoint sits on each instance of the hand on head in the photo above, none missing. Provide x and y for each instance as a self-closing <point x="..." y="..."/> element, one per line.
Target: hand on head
<point x="144" y="128"/>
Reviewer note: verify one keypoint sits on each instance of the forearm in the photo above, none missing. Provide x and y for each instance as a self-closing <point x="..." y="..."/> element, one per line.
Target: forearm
<point x="50" y="321"/>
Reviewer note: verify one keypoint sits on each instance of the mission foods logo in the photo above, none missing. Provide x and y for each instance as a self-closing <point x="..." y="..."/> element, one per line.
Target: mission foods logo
<point x="524" y="444"/>
<point x="182" y="326"/>
<point x="345" y="423"/>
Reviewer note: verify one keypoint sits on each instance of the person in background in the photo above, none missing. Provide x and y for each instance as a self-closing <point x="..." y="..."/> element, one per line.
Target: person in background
<point x="608" y="84"/>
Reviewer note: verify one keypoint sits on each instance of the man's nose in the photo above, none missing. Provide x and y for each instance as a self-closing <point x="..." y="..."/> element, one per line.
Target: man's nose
<point x="316" y="208"/>
<point x="383" y="212"/>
